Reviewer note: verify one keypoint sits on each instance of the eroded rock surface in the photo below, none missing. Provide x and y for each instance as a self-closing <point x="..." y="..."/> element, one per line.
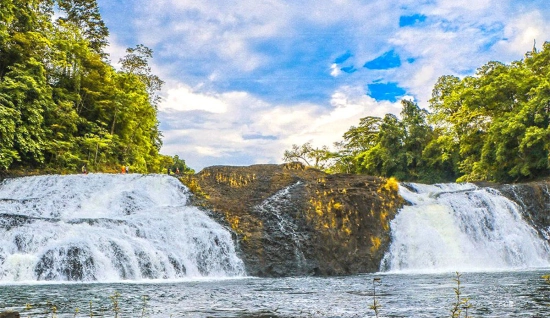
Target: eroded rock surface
<point x="289" y="220"/>
<point x="534" y="199"/>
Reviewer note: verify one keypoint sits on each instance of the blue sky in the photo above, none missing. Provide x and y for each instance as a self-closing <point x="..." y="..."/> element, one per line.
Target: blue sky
<point x="247" y="79"/>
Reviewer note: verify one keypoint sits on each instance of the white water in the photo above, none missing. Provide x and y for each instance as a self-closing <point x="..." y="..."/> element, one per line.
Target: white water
<point x="279" y="206"/>
<point x="460" y="227"/>
<point x="101" y="227"/>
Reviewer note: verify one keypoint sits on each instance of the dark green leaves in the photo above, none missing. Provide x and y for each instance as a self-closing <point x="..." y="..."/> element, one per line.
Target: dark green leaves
<point x="61" y="104"/>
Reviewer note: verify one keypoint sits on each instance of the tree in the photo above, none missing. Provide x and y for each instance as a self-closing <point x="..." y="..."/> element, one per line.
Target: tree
<point x="61" y="103"/>
<point x="137" y="62"/>
<point x="318" y="158"/>
<point x="492" y="126"/>
<point x="417" y="135"/>
<point x="397" y="147"/>
<point x="179" y="164"/>
<point x="362" y="137"/>
<point x="498" y="120"/>
<point x="84" y="14"/>
<point x="386" y="157"/>
<point x="25" y="95"/>
<point x="356" y="140"/>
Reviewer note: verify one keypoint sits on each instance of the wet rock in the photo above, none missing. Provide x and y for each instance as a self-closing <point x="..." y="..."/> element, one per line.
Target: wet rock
<point x="534" y="200"/>
<point x="289" y="220"/>
<point x="9" y="314"/>
<point x="9" y="221"/>
<point x="71" y="263"/>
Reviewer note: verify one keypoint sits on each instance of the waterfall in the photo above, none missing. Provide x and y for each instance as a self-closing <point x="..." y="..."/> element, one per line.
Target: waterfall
<point x="101" y="227"/>
<point x="461" y="227"/>
<point x="276" y="211"/>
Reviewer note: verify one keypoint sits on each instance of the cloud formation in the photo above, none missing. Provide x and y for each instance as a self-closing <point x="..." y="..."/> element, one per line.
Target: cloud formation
<point x="250" y="130"/>
<point x="247" y="79"/>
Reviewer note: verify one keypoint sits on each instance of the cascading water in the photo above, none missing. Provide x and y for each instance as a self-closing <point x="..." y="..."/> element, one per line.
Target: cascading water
<point x="461" y="227"/>
<point x="276" y="209"/>
<point x="101" y="227"/>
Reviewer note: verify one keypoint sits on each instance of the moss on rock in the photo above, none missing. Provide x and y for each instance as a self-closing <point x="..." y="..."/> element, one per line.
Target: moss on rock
<point x="292" y="220"/>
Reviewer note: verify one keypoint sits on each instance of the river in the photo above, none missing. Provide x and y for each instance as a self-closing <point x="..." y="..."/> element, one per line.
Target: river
<point x="492" y="294"/>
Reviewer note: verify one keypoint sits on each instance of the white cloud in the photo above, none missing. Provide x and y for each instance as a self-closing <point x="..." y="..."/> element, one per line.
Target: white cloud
<point x="523" y="30"/>
<point x="349" y="104"/>
<point x="335" y="70"/>
<point x="273" y="128"/>
<point x="449" y="8"/>
<point x="226" y="34"/>
<point x="115" y="50"/>
<point x="184" y="99"/>
<point x="212" y="29"/>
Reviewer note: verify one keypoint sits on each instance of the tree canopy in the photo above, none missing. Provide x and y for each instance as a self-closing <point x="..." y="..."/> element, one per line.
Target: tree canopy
<point x="62" y="104"/>
<point x="492" y="126"/>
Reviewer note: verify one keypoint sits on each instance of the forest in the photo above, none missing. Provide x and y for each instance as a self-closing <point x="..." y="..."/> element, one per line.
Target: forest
<point x="62" y="104"/>
<point x="492" y="126"/>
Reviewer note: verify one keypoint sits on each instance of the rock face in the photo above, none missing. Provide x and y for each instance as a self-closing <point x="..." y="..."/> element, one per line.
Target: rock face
<point x="289" y="220"/>
<point x="534" y="199"/>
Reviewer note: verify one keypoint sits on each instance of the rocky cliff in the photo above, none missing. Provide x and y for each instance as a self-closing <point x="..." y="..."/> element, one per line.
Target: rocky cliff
<point x="534" y="199"/>
<point x="290" y="220"/>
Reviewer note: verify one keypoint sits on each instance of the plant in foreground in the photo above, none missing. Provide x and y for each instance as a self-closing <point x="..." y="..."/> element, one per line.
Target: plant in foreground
<point x="462" y="303"/>
<point x="115" y="300"/>
<point x="28" y="307"/>
<point x="144" y="305"/>
<point x="375" y="304"/>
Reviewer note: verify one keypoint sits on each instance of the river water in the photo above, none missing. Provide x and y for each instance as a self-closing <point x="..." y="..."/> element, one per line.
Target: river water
<point x="495" y="294"/>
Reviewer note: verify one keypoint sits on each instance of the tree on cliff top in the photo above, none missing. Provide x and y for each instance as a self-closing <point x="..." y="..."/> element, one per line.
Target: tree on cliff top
<point x="317" y="158"/>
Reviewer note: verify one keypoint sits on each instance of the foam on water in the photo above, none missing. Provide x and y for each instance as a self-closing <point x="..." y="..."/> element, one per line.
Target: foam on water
<point x="101" y="227"/>
<point x="460" y="227"/>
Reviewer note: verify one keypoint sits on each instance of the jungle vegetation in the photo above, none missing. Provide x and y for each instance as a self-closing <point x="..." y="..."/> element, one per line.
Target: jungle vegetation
<point x="493" y="126"/>
<point x="62" y="104"/>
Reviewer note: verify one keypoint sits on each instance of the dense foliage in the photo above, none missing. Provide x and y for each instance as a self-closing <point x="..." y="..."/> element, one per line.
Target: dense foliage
<point x="62" y="104"/>
<point x="493" y="126"/>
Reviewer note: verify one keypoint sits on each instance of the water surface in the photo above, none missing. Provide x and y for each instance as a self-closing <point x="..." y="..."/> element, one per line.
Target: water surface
<point x="496" y="294"/>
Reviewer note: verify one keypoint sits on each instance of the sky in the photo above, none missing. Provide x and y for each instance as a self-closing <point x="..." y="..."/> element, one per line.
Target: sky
<point x="245" y="80"/>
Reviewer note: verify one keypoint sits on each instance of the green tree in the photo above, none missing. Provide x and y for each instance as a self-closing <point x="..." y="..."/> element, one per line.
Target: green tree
<point x="397" y="149"/>
<point x="178" y="164"/>
<point x="356" y="140"/>
<point x="136" y="62"/>
<point x="318" y="158"/>
<point x="417" y="135"/>
<point x="84" y="14"/>
<point x="25" y="95"/>
<point x="492" y="126"/>
<point x="61" y="103"/>
<point x="386" y="157"/>
<point x="498" y="121"/>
